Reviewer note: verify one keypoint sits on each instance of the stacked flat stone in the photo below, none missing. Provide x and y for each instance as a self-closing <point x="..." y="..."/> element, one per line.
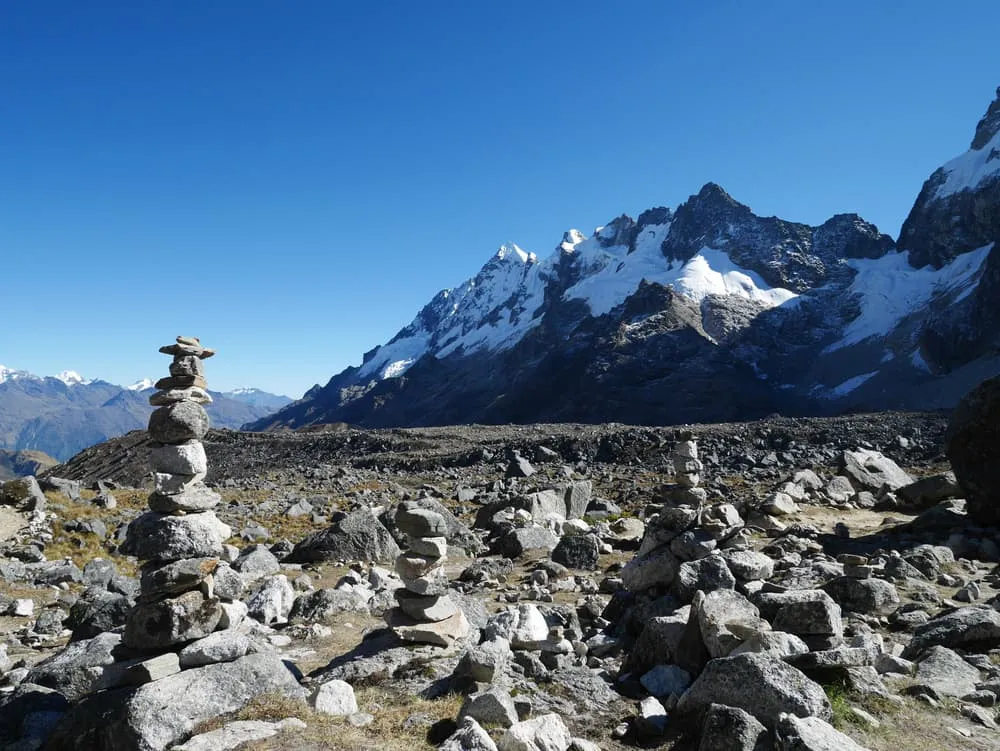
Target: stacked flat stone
<point x="426" y="612"/>
<point x="180" y="539"/>
<point x="687" y="473"/>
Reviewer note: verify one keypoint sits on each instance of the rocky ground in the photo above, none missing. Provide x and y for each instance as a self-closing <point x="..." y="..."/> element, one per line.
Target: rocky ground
<point x="828" y="588"/>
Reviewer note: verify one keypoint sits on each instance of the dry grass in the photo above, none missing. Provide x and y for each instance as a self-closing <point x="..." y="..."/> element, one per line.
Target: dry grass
<point x="390" y="731"/>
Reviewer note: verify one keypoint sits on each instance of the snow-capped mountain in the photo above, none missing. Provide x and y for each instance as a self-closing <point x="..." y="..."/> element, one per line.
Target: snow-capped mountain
<point x="61" y="415"/>
<point x="704" y="312"/>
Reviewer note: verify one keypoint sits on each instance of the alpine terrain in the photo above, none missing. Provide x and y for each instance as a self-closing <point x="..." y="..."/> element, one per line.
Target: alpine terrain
<point x="61" y="415"/>
<point x="705" y="312"/>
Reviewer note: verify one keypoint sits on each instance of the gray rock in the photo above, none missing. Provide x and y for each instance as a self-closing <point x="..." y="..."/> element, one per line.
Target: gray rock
<point x="469" y="736"/>
<point x="234" y="735"/>
<point x="160" y="580"/>
<point x="493" y="707"/>
<point x="651" y="720"/>
<point x="873" y="596"/>
<point x="968" y="627"/>
<point x="748" y="565"/>
<point x="807" y="613"/>
<point x="22" y="494"/>
<point x="928" y="491"/>
<point x="708" y="574"/>
<point x="76" y="670"/>
<point x="178" y="422"/>
<point x="946" y="672"/>
<point x="871" y="470"/>
<point x="486" y="662"/>
<point x="578" y="552"/>
<point x="196" y="497"/>
<point x="357" y="536"/>
<point x="731" y="729"/>
<point x="774" y="643"/>
<point x="811" y="734"/>
<point x="163" y="538"/>
<point x="545" y="733"/>
<point x="177" y="620"/>
<point x="517" y="542"/>
<point x="725" y="618"/>
<point x="578" y="496"/>
<point x="656" y="569"/>
<point x="219" y="646"/>
<point x="426" y="608"/>
<point x="272" y="600"/>
<point x="153" y="669"/>
<point x="255" y="563"/>
<point x="414" y="521"/>
<point x="762" y="685"/>
<point x="664" y="680"/>
<point x="184" y="459"/>
<point x="135" y="718"/>
<point x="97" y="611"/>
<point x="324" y="604"/>
<point x="334" y="697"/>
<point x="70" y="489"/>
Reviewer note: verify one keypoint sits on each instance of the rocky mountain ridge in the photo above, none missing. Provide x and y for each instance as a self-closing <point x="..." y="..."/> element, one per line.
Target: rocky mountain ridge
<point x="706" y="312"/>
<point x="61" y="415"/>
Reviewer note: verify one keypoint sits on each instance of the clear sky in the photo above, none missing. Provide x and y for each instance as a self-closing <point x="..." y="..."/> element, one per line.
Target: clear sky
<point x="293" y="181"/>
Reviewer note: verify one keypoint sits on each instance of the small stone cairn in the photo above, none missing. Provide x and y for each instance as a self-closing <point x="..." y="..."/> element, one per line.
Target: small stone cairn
<point x="426" y="612"/>
<point x="180" y="539"/>
<point x="687" y="474"/>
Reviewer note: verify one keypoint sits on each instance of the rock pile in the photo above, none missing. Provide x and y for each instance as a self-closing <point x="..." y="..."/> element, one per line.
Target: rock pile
<point x="426" y="612"/>
<point x="180" y="538"/>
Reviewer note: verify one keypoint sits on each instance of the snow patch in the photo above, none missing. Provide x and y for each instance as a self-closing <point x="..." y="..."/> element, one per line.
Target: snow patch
<point x="971" y="169"/>
<point x="845" y="388"/>
<point x="72" y="378"/>
<point x="615" y="274"/>
<point x="145" y="383"/>
<point x="889" y="289"/>
<point x="918" y="361"/>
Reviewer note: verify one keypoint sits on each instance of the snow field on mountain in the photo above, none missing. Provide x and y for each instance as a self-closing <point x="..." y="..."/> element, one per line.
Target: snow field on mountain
<point x="969" y="170"/>
<point x="889" y="289"/>
<point x="618" y="273"/>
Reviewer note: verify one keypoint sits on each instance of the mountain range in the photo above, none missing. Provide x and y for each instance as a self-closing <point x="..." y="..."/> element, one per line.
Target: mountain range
<point x="61" y="415"/>
<point x="704" y="312"/>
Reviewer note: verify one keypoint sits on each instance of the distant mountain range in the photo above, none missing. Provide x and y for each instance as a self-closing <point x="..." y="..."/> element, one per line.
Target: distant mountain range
<point x="61" y="415"/>
<point x="705" y="312"/>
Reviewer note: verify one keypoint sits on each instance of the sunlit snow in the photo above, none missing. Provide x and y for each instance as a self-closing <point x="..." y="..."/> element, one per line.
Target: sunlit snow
<point x="889" y="289"/>
<point x="843" y="389"/>
<point x="971" y="168"/>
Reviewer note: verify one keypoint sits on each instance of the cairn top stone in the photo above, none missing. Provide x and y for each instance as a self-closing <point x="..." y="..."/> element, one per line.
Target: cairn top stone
<point x="187" y="346"/>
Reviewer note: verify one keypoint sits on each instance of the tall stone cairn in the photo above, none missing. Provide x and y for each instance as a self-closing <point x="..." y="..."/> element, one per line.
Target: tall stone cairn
<point x="426" y="612"/>
<point x="180" y="539"/>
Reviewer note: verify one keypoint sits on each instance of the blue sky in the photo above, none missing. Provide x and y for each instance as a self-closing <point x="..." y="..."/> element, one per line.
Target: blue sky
<point x="292" y="181"/>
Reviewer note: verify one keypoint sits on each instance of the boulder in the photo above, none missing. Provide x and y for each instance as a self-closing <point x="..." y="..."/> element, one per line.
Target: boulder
<point x="871" y="596"/>
<point x="973" y="627"/>
<point x="871" y="470"/>
<point x="578" y="551"/>
<point x="946" y="673"/>
<point x="334" y="698"/>
<point x="760" y="684"/>
<point x="545" y="733"/>
<point x="928" y="491"/>
<point x="731" y="729"/>
<point x="517" y="542"/>
<point x="707" y="574"/>
<point x="470" y="736"/>
<point x="655" y="569"/>
<point x="357" y="536"/>
<point x="811" y="734"/>
<point x="176" y="620"/>
<point x="220" y="646"/>
<point x="22" y="494"/>
<point x="162" y="538"/>
<point x="76" y="670"/>
<point x="178" y="422"/>
<point x="134" y="718"/>
<point x="493" y="707"/>
<point x="973" y="447"/>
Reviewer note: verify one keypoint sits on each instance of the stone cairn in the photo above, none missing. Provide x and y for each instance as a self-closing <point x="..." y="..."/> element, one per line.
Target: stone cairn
<point x="426" y="612"/>
<point x="180" y="539"/>
<point x="687" y="473"/>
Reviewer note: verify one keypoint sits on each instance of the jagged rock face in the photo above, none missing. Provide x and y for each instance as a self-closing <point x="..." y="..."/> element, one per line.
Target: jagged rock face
<point x="706" y="313"/>
<point x="958" y="209"/>
<point x="786" y="254"/>
<point x="968" y="329"/>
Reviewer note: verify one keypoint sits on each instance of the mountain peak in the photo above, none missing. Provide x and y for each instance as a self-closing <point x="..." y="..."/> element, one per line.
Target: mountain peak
<point x="71" y="378"/>
<point x="511" y="252"/>
<point x="989" y="126"/>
